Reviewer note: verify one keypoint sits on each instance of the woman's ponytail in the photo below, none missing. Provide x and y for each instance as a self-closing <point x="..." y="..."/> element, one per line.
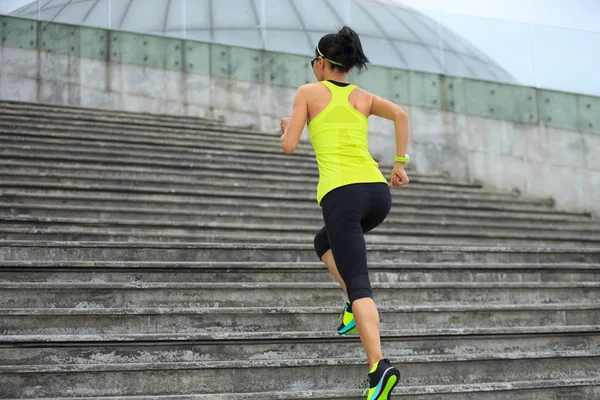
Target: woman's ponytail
<point x="345" y="48"/>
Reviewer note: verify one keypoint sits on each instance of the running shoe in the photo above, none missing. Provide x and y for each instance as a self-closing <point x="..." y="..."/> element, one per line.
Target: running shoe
<point x="348" y="325"/>
<point x="382" y="379"/>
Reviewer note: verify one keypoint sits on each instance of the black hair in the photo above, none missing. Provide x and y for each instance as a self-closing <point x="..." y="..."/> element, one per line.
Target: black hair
<point x="343" y="47"/>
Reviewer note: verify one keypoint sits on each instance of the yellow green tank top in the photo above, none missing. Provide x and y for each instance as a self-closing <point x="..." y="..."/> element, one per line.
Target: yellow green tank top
<point x="339" y="135"/>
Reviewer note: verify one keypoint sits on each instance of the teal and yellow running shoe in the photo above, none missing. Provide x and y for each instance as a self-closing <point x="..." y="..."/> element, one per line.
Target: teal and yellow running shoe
<point x="382" y="379"/>
<point x="348" y="325"/>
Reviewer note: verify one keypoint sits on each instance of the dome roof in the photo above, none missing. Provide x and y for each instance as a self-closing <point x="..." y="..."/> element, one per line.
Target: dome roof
<point x="392" y="34"/>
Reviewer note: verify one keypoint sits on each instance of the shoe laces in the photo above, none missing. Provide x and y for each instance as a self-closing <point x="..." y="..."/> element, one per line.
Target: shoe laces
<point x="341" y="317"/>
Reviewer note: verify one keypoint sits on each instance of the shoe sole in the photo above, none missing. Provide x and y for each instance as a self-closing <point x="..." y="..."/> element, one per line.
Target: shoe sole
<point x="390" y="384"/>
<point x="351" y="331"/>
<point x="348" y="329"/>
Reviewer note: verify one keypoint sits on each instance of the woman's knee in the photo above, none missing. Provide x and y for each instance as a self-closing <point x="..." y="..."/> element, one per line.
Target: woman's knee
<point x="359" y="287"/>
<point x="321" y="243"/>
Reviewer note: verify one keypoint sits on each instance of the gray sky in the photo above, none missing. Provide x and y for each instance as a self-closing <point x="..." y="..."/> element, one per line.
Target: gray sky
<point x="574" y="14"/>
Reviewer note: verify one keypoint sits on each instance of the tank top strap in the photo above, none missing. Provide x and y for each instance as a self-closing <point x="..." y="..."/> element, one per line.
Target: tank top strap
<point x="339" y="94"/>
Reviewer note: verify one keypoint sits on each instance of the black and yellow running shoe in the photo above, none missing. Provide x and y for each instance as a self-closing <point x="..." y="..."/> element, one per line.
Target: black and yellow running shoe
<point x="382" y="379"/>
<point x="348" y="325"/>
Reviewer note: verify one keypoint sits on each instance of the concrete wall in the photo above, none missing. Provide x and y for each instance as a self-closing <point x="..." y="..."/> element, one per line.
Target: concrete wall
<point x="539" y="142"/>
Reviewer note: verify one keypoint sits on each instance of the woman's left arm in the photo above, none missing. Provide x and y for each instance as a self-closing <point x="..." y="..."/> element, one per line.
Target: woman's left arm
<point x="291" y="128"/>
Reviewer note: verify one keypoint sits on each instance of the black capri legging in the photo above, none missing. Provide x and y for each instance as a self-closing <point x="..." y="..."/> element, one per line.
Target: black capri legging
<point x="349" y="212"/>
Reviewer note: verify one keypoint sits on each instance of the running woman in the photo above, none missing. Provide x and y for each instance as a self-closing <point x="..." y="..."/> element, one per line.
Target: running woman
<point x="352" y="192"/>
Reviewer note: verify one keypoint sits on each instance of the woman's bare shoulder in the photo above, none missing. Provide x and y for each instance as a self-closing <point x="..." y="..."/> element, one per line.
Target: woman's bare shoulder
<point x="362" y="91"/>
<point x="311" y="86"/>
<point x="362" y="95"/>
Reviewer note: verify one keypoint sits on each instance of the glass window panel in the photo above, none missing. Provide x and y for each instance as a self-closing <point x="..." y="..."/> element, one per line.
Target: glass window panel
<point x="26" y="10"/>
<point x="51" y="4"/>
<point x="289" y="41"/>
<point x="451" y="40"/>
<point x="318" y="16"/>
<point x="47" y="11"/>
<point x="30" y="15"/>
<point x="25" y="14"/>
<point x="514" y="52"/>
<point x="420" y="57"/>
<point x="362" y="23"/>
<point x="234" y="14"/>
<point x="197" y="15"/>
<point x="424" y="28"/>
<point x="381" y="51"/>
<point x="98" y="15"/>
<point x="281" y="14"/>
<point x="146" y="16"/>
<point x="455" y="28"/>
<point x="395" y="28"/>
<point x="499" y="73"/>
<point x="484" y="71"/>
<point x="202" y="35"/>
<point x="74" y="14"/>
<point x="122" y="13"/>
<point x="457" y="66"/>
<point x="174" y="25"/>
<point x="315" y="37"/>
<point x="238" y="37"/>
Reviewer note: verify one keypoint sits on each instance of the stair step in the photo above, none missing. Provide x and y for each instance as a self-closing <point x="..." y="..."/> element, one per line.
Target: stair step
<point x="23" y="208"/>
<point x="82" y="126"/>
<point x="185" y="204"/>
<point x="248" y="174"/>
<point x="560" y="389"/>
<point x="146" y="124"/>
<point x="224" y="179"/>
<point x="220" y="160"/>
<point x="9" y="138"/>
<point x="203" y="136"/>
<point x="224" y="320"/>
<point x="219" y="222"/>
<point x="83" y="339"/>
<point x="49" y="110"/>
<point x="222" y="195"/>
<point x="459" y="351"/>
<point x="345" y="362"/>
<point x="303" y="191"/>
<point x="287" y="294"/>
<point x="231" y="252"/>
<point x="221" y="163"/>
<point x="268" y="376"/>
<point x="109" y="128"/>
<point x="76" y="235"/>
<point x="150" y="271"/>
<point x="151" y="155"/>
<point x="24" y="228"/>
<point x="491" y="346"/>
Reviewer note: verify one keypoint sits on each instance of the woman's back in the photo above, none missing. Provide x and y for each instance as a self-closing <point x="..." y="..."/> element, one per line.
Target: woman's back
<point x="319" y="95"/>
<point x="339" y="134"/>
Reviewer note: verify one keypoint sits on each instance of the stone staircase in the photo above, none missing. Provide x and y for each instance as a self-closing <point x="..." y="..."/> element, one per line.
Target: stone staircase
<point x="161" y="257"/>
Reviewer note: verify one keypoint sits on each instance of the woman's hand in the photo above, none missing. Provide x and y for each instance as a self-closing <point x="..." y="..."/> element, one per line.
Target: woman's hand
<point x="284" y="124"/>
<point x="399" y="177"/>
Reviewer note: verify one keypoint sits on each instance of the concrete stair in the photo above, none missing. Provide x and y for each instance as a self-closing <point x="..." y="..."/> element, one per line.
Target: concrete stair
<point x="146" y="256"/>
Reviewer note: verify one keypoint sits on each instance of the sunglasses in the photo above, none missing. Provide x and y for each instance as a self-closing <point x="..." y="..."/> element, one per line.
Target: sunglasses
<point x="313" y="61"/>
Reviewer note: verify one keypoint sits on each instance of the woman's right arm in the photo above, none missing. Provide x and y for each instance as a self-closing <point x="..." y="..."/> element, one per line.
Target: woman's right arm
<point x="388" y="110"/>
